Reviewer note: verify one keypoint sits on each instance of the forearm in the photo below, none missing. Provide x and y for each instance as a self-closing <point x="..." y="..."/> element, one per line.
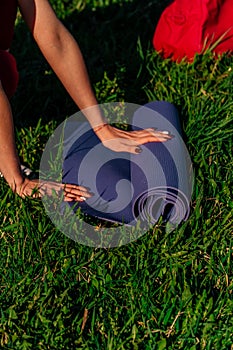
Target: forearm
<point x="9" y="161"/>
<point x="63" y="54"/>
<point x="65" y="58"/>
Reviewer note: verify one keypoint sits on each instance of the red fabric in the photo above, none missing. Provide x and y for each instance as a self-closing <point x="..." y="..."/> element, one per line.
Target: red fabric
<point x="8" y="9"/>
<point x="8" y="71"/>
<point x="9" y="76"/>
<point x="187" y="27"/>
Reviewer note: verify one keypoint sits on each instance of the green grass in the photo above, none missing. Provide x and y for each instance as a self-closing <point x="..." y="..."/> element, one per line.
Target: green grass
<point x="165" y="290"/>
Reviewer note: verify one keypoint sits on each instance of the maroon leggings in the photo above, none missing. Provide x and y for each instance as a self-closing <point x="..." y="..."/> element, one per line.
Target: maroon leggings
<point x="9" y="75"/>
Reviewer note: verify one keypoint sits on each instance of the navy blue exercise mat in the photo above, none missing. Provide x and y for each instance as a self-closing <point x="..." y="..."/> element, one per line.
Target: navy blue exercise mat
<point x="132" y="188"/>
<point x="167" y="168"/>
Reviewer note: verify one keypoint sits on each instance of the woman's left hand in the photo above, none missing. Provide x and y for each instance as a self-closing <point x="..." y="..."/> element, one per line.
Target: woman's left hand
<point x="128" y="141"/>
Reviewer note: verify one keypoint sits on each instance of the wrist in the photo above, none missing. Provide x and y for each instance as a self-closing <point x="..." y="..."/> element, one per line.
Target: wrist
<point x="94" y="116"/>
<point x="99" y="127"/>
<point x="15" y="182"/>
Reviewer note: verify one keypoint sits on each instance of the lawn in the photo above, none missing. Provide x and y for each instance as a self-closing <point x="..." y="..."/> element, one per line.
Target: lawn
<point x="164" y="290"/>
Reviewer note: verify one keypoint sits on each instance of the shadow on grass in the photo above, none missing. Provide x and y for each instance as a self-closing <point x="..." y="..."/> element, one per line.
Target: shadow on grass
<point x="108" y="38"/>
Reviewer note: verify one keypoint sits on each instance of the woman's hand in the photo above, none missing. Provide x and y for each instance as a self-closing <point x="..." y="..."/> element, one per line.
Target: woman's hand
<point x="37" y="189"/>
<point x="128" y="141"/>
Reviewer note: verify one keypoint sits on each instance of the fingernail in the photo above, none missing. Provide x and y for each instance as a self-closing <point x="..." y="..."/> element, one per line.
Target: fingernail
<point x="138" y="150"/>
<point x="165" y="132"/>
<point x="83" y="198"/>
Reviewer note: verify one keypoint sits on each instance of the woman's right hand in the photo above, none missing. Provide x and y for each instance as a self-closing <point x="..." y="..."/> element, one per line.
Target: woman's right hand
<point x="129" y="141"/>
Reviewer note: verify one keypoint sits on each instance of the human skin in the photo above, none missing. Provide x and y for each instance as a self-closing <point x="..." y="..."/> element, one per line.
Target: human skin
<point x="65" y="58"/>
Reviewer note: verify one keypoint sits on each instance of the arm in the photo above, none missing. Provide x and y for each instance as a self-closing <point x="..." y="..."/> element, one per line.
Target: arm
<point x="9" y="161"/>
<point x="63" y="54"/>
<point x="10" y="165"/>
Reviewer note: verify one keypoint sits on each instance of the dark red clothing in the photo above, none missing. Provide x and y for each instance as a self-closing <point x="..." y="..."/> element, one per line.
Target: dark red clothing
<point x="9" y="75"/>
<point x="8" y="70"/>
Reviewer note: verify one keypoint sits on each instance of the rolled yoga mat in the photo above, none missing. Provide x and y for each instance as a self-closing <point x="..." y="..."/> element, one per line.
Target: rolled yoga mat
<point x="128" y="188"/>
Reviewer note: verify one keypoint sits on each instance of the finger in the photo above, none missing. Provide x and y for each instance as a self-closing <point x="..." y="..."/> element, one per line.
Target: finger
<point x="132" y="147"/>
<point x="142" y="133"/>
<point x="147" y="135"/>
<point x="157" y="137"/>
<point x="156" y="133"/>
<point x="74" y="187"/>
<point x="76" y="192"/>
<point x="121" y="145"/>
<point x="70" y="197"/>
